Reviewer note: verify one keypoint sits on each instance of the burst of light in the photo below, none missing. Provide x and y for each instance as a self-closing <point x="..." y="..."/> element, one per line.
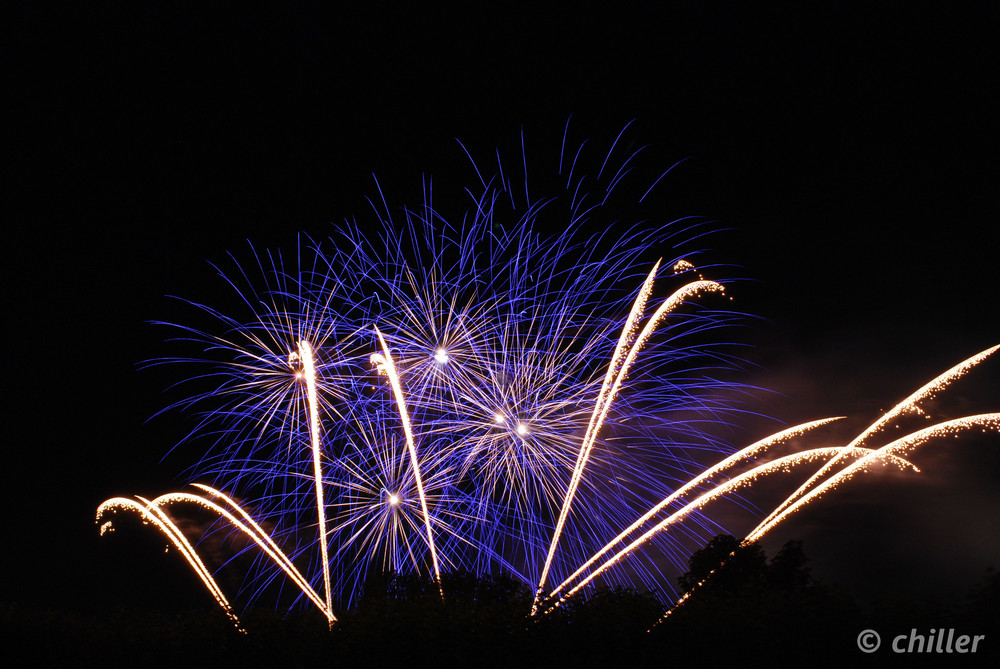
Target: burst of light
<point x="534" y="320"/>
<point x="605" y="399"/>
<point x="742" y="456"/>
<point x="555" y="331"/>
<point x="910" y="404"/>
<point x="803" y="495"/>
<point x="905" y="444"/>
<point x="863" y="457"/>
<point x="151" y="513"/>
<point x="390" y="370"/>
<point x="309" y="372"/>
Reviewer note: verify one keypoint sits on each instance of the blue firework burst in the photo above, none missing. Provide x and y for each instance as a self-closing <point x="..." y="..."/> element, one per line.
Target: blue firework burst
<point x="502" y="314"/>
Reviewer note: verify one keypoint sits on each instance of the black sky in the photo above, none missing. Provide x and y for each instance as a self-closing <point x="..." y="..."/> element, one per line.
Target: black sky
<point x="850" y="151"/>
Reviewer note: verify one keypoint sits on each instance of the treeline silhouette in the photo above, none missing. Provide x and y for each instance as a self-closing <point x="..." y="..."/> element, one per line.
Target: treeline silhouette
<point x="745" y="606"/>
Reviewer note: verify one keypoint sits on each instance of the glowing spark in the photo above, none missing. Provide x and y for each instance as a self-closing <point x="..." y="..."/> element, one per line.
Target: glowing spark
<point x="909" y="404"/>
<point x="250" y="527"/>
<point x="741" y="456"/>
<point x="605" y="398"/>
<point x="253" y="531"/>
<point x="309" y="371"/>
<point x="904" y="445"/>
<point x="247" y="526"/>
<point x="522" y="429"/>
<point x="780" y="464"/>
<point x="441" y="356"/>
<point x="153" y="514"/>
<point x="384" y="362"/>
<point x="602" y="397"/>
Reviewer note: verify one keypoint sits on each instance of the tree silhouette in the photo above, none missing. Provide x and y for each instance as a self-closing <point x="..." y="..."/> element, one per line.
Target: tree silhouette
<point x="788" y="569"/>
<point x="745" y="605"/>
<point x="724" y="567"/>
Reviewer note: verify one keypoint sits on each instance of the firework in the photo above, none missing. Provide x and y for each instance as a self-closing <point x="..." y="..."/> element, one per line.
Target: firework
<point x="438" y="391"/>
<point x="495" y="336"/>
<point x="151" y="512"/>
<point x="386" y="366"/>
<point x="827" y="477"/>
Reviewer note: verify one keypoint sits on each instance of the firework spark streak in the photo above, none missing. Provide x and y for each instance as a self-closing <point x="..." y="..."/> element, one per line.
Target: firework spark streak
<point x="902" y="445"/>
<point x="309" y="373"/>
<point x="741" y="456"/>
<point x="909" y="404"/>
<point x="986" y="421"/>
<point x="150" y="512"/>
<point x="244" y="524"/>
<point x="602" y="399"/>
<point x="606" y="395"/>
<point x="780" y="464"/>
<point x="386" y="366"/>
<point x="250" y="527"/>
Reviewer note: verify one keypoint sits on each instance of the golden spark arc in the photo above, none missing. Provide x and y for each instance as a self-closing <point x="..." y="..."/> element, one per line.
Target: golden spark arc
<point x="804" y="495"/>
<point x="151" y="512"/>
<point x="911" y="403"/>
<point x="609" y="390"/>
<point x="309" y="373"/>
<point x="385" y="364"/>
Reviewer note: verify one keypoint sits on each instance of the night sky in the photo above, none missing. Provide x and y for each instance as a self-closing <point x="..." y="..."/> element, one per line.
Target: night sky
<point x="849" y="157"/>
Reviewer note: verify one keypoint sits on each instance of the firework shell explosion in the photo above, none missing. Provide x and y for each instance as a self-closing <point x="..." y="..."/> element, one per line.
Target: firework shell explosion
<point x="508" y="388"/>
